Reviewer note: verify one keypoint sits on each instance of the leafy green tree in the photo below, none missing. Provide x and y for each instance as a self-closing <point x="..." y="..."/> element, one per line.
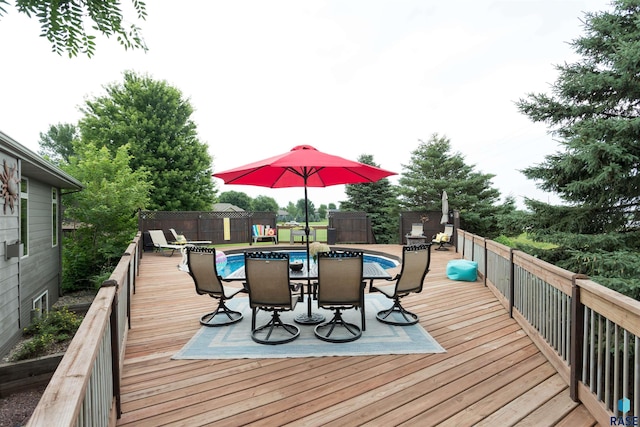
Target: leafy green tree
<point x="66" y="24"/>
<point x="105" y="211"/>
<point x="264" y="204"/>
<point x="57" y="144"/>
<point x="378" y="199"/>
<point x="434" y="169"/>
<point x="236" y="198"/>
<point x="322" y="211"/>
<point x="594" y="110"/>
<point x="332" y="206"/>
<point x="155" y="120"/>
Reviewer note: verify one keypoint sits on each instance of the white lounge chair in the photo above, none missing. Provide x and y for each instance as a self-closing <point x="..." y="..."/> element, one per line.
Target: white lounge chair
<point x="161" y="244"/>
<point x="180" y="239"/>
<point x="444" y="238"/>
<point x="416" y="235"/>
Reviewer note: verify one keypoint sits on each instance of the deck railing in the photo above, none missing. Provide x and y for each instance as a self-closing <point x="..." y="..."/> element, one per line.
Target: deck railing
<point x="85" y="389"/>
<point x="587" y="331"/>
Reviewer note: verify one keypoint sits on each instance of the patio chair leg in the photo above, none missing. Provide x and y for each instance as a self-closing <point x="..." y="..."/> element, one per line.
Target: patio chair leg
<point x="337" y="320"/>
<point x="274" y="323"/>
<point x="409" y="317"/>
<point x="222" y="309"/>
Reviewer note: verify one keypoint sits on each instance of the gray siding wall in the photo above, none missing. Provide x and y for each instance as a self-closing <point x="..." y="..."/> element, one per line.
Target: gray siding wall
<point x="26" y="278"/>
<point x="9" y="272"/>
<point x="40" y="269"/>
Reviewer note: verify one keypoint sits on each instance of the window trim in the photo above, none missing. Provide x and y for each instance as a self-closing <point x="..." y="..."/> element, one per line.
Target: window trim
<point x="40" y="304"/>
<point x="24" y="234"/>
<point x="55" y="212"/>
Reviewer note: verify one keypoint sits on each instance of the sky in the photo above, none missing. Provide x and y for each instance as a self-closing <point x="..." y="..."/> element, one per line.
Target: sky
<point x="349" y="77"/>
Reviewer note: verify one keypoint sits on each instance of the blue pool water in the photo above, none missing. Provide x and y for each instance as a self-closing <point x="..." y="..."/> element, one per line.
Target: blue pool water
<point x="235" y="261"/>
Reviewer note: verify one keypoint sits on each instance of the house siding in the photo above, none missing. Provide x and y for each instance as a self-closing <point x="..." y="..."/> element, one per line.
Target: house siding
<point x="9" y="270"/>
<point x="24" y="278"/>
<point x="40" y="270"/>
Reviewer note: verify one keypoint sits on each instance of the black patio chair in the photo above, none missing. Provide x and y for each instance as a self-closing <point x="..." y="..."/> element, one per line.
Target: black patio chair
<point x="201" y="266"/>
<point x="415" y="266"/>
<point x="267" y="281"/>
<point x="340" y="287"/>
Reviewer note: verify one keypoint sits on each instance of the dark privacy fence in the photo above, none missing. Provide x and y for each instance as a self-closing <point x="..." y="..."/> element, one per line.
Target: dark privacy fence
<point x="206" y="225"/>
<point x="235" y="227"/>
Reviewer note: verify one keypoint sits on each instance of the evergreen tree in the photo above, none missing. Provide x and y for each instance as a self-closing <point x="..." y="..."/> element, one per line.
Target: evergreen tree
<point x="311" y="210"/>
<point x="154" y="119"/>
<point x="594" y="111"/>
<point x="378" y="200"/>
<point x="434" y="169"/>
<point x="292" y="211"/>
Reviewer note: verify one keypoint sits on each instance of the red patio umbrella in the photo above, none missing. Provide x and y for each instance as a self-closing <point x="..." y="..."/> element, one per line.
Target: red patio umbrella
<point x="303" y="166"/>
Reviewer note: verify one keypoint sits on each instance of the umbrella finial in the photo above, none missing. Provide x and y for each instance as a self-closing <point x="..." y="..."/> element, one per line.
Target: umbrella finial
<point x="303" y="147"/>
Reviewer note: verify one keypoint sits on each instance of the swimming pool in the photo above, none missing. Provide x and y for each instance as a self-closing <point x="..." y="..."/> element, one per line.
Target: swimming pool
<point x="236" y="261"/>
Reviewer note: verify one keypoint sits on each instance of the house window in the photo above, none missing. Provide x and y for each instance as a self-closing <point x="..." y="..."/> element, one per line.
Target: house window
<point x="54" y="217"/>
<point x="24" y="215"/>
<point x="41" y="305"/>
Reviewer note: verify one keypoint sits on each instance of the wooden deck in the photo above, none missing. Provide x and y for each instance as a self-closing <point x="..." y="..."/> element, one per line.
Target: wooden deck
<point x="492" y="374"/>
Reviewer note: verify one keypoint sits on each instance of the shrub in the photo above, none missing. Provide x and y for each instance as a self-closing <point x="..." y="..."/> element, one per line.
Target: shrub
<point x="56" y="326"/>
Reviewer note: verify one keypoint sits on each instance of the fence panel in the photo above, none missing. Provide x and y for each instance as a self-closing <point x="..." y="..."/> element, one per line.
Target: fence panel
<point x="206" y="225"/>
<point x="499" y="269"/>
<point x="589" y="333"/>
<point x="610" y="361"/>
<point x="351" y="227"/>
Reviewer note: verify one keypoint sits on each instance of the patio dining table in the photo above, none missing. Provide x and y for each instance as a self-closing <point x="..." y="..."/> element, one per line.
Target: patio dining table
<point x="370" y="271"/>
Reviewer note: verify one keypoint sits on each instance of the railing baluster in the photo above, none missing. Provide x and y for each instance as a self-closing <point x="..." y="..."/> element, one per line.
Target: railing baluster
<point x="625" y="364"/>
<point x="585" y="344"/>
<point x="636" y="376"/>
<point x="607" y="366"/>
<point x="592" y="337"/>
<point x="616" y="369"/>
<point x="599" y="356"/>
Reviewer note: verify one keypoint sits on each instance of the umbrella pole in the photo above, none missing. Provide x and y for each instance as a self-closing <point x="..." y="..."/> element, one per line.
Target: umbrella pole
<point x="309" y="318"/>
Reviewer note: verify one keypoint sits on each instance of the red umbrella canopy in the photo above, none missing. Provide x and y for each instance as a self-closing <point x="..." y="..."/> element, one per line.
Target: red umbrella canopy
<point x="303" y="166"/>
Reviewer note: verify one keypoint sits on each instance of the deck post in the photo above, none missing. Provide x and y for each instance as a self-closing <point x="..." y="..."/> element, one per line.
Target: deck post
<point x="485" y="262"/>
<point x="576" y="340"/>
<point x="115" y="345"/>
<point x="512" y="285"/>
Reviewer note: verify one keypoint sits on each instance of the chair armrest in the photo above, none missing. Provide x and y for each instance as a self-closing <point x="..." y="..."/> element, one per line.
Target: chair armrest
<point x="388" y="279"/>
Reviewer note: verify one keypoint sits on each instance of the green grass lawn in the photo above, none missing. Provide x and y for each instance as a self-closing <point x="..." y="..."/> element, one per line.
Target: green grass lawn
<point x="524" y="239"/>
<point x="284" y="236"/>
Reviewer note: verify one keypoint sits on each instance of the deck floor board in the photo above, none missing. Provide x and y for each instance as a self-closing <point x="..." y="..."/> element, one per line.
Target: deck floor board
<point x="491" y="374"/>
